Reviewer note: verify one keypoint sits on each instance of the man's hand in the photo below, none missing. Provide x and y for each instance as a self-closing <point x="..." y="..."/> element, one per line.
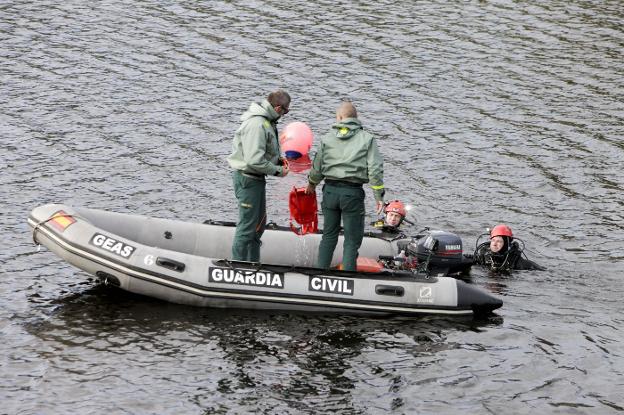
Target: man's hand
<point x="285" y="170"/>
<point x="310" y="189"/>
<point x="380" y="206"/>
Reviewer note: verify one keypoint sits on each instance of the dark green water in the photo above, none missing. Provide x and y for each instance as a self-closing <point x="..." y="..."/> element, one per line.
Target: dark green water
<point x="485" y="112"/>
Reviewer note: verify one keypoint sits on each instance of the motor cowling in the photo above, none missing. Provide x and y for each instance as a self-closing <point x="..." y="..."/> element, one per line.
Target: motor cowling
<point x="443" y="251"/>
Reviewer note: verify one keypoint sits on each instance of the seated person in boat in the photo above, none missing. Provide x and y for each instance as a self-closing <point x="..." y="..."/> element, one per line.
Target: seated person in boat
<point x="503" y="252"/>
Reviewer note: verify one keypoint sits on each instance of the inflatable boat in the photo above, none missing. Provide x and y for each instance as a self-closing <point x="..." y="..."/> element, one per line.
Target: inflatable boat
<point x="190" y="263"/>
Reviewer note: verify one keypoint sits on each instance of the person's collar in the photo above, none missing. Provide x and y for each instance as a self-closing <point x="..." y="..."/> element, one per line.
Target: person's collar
<point x="272" y="114"/>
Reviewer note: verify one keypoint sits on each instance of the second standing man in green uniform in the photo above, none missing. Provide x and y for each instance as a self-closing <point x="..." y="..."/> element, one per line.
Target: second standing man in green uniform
<point x="347" y="158"/>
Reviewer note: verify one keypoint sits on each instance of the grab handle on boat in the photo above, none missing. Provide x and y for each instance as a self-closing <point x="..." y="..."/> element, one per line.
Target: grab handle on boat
<point x="389" y="290"/>
<point x="170" y="264"/>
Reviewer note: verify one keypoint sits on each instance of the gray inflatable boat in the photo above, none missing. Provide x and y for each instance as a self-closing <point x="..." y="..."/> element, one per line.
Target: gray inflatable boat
<point x="190" y="263"/>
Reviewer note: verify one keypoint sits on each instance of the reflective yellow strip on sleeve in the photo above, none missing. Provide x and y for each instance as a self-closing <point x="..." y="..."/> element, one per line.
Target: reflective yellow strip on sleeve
<point x="378" y="187"/>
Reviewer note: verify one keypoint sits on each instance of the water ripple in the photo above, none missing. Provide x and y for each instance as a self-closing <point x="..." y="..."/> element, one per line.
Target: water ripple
<point x="485" y="112"/>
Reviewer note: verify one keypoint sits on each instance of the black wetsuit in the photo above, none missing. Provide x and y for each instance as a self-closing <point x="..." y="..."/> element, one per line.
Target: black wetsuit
<point x="386" y="232"/>
<point x="513" y="258"/>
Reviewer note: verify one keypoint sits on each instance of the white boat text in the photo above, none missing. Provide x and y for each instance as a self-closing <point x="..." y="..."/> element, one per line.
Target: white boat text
<point x="112" y="245"/>
<point x="331" y="285"/>
<point x="245" y="277"/>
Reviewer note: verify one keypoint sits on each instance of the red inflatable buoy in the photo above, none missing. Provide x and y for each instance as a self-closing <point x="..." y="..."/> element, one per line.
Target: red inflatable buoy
<point x="296" y="139"/>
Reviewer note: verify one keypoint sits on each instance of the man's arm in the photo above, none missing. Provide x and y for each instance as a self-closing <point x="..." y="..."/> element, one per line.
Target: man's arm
<point x="375" y="174"/>
<point x="254" y="144"/>
<point x="315" y="176"/>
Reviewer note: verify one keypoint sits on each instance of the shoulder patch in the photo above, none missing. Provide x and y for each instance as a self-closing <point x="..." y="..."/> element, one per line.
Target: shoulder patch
<point x="266" y="123"/>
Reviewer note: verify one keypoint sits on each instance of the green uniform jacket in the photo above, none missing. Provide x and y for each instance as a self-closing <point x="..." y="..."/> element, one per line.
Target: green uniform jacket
<point x="256" y="147"/>
<point x="349" y="153"/>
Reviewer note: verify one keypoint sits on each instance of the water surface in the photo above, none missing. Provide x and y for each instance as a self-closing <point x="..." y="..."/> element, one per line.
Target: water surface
<point x="485" y="112"/>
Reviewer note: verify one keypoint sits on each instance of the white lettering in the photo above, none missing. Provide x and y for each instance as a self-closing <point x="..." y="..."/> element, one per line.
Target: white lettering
<point x="261" y="278"/>
<point x="346" y="289"/>
<point x="243" y="277"/>
<point x="217" y="274"/>
<point x="127" y="251"/>
<point x="108" y="243"/>
<point x="148" y="260"/>
<point x="277" y="281"/>
<point x="249" y="279"/>
<point x="240" y="278"/>
<point x="331" y="285"/>
<point x="112" y="245"/>
<point x="117" y="248"/>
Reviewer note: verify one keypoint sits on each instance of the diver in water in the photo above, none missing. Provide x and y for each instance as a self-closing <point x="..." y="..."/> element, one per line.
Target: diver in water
<point x="503" y="252"/>
<point x="394" y="215"/>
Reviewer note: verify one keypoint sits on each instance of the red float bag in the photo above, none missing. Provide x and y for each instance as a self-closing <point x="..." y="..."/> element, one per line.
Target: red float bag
<point x="365" y="265"/>
<point x="303" y="210"/>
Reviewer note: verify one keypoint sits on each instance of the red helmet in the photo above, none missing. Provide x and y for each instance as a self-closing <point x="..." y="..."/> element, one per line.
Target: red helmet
<point x="501" y="230"/>
<point x="397" y="207"/>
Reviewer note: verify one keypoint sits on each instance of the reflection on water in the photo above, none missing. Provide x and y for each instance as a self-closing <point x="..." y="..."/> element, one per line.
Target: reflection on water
<point x="288" y="356"/>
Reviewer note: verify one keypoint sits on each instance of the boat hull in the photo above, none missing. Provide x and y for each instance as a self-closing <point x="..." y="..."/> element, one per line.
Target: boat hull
<point x="135" y="254"/>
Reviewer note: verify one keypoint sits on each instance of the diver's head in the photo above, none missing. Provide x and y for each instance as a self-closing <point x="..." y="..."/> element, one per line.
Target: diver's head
<point x="395" y="213"/>
<point x="500" y="238"/>
<point x="393" y="219"/>
<point x="498" y="244"/>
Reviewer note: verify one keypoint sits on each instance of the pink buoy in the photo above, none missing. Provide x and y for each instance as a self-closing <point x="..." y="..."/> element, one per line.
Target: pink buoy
<point x="296" y="139"/>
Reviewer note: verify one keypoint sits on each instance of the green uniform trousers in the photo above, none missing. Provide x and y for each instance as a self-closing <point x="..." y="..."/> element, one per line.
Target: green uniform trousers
<point x="347" y="203"/>
<point x="251" y="196"/>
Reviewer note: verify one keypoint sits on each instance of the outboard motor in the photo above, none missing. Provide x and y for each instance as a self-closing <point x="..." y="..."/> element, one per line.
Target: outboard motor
<point x="442" y="252"/>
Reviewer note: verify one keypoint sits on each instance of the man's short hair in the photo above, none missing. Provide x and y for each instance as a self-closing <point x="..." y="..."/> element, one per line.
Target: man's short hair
<point x="279" y="98"/>
<point x="347" y="110"/>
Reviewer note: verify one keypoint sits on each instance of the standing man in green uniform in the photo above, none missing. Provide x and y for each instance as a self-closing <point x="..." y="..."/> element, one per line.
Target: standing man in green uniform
<point x="347" y="158"/>
<point x="256" y="154"/>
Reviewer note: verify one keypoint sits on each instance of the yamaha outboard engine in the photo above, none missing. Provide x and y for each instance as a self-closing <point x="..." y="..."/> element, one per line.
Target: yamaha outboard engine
<point x="441" y="251"/>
